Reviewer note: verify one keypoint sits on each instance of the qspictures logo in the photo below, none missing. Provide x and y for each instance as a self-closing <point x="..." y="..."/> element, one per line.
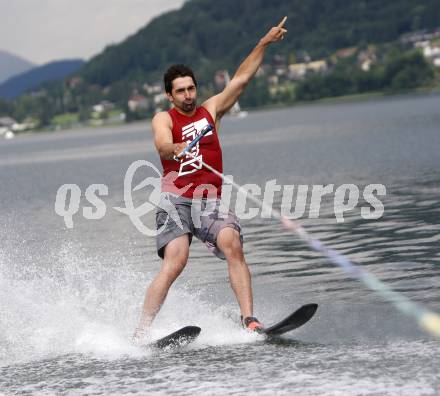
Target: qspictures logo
<point x="346" y="198"/>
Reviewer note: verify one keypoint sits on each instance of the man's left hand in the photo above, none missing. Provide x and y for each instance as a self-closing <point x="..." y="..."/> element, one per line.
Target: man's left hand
<point x="276" y="33"/>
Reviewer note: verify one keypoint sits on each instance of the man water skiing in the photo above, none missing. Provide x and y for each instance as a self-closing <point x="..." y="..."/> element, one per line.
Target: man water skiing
<point x="221" y="232"/>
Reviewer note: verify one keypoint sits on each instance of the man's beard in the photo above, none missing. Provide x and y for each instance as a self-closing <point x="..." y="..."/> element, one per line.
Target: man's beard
<point x="188" y="107"/>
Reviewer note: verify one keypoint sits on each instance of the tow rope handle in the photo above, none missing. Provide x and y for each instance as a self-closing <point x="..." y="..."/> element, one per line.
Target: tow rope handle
<point x="205" y="130"/>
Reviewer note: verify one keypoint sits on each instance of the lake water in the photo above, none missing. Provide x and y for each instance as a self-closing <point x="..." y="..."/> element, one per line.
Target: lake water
<point x="71" y="297"/>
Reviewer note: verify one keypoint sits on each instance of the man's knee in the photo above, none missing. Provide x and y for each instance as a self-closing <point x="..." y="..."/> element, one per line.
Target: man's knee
<point x="228" y="241"/>
<point x="176" y="255"/>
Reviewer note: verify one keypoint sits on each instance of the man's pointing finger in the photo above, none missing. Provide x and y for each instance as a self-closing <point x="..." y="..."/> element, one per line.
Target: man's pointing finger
<point x="283" y="21"/>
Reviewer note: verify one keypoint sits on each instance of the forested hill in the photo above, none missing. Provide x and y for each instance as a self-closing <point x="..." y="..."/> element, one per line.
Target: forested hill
<point x="210" y="35"/>
<point x="213" y="35"/>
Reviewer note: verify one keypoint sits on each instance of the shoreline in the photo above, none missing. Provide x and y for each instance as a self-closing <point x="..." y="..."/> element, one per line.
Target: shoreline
<point x="354" y="98"/>
<point x="362" y="97"/>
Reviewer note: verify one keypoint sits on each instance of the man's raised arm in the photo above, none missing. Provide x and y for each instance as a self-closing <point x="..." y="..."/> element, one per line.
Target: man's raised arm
<point x="219" y="104"/>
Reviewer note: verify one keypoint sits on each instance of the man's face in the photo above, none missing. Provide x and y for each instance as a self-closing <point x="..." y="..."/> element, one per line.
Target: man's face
<point x="184" y="94"/>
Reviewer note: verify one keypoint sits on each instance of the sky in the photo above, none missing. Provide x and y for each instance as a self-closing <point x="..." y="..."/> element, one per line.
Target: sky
<point x="41" y="31"/>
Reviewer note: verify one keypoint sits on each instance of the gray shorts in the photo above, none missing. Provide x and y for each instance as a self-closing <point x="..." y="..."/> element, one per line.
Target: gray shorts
<point x="203" y="218"/>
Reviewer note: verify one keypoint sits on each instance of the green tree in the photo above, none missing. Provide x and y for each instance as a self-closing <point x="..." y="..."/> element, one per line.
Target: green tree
<point x="256" y="93"/>
<point x="407" y="71"/>
<point x="6" y="108"/>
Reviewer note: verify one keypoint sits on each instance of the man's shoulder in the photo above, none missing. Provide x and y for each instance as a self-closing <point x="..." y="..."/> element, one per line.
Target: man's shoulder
<point x="161" y="121"/>
<point x="162" y="117"/>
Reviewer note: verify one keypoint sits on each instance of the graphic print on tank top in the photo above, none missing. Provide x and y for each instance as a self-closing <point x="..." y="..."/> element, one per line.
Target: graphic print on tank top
<point x="189" y="133"/>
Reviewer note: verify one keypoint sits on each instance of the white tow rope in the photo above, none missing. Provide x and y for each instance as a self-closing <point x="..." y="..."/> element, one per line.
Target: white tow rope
<point x="426" y="319"/>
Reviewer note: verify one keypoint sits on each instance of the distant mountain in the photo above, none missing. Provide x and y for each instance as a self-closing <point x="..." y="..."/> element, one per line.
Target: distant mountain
<point x="31" y="79"/>
<point x="11" y="65"/>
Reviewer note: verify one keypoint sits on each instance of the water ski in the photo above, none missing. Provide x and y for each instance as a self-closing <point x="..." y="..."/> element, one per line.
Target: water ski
<point x="188" y="334"/>
<point x="179" y="338"/>
<point x="293" y="321"/>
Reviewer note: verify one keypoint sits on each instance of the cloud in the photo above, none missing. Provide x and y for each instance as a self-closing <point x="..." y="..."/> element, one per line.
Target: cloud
<point x="46" y="30"/>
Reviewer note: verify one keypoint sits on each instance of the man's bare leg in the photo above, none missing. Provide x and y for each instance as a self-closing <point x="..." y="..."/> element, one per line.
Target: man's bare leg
<point x="228" y="241"/>
<point x="175" y="258"/>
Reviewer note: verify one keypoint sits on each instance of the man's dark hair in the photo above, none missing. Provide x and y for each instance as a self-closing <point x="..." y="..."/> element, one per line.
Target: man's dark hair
<point x="174" y="72"/>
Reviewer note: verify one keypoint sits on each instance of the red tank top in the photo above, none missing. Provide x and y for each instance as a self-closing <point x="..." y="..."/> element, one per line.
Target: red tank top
<point x="190" y="172"/>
